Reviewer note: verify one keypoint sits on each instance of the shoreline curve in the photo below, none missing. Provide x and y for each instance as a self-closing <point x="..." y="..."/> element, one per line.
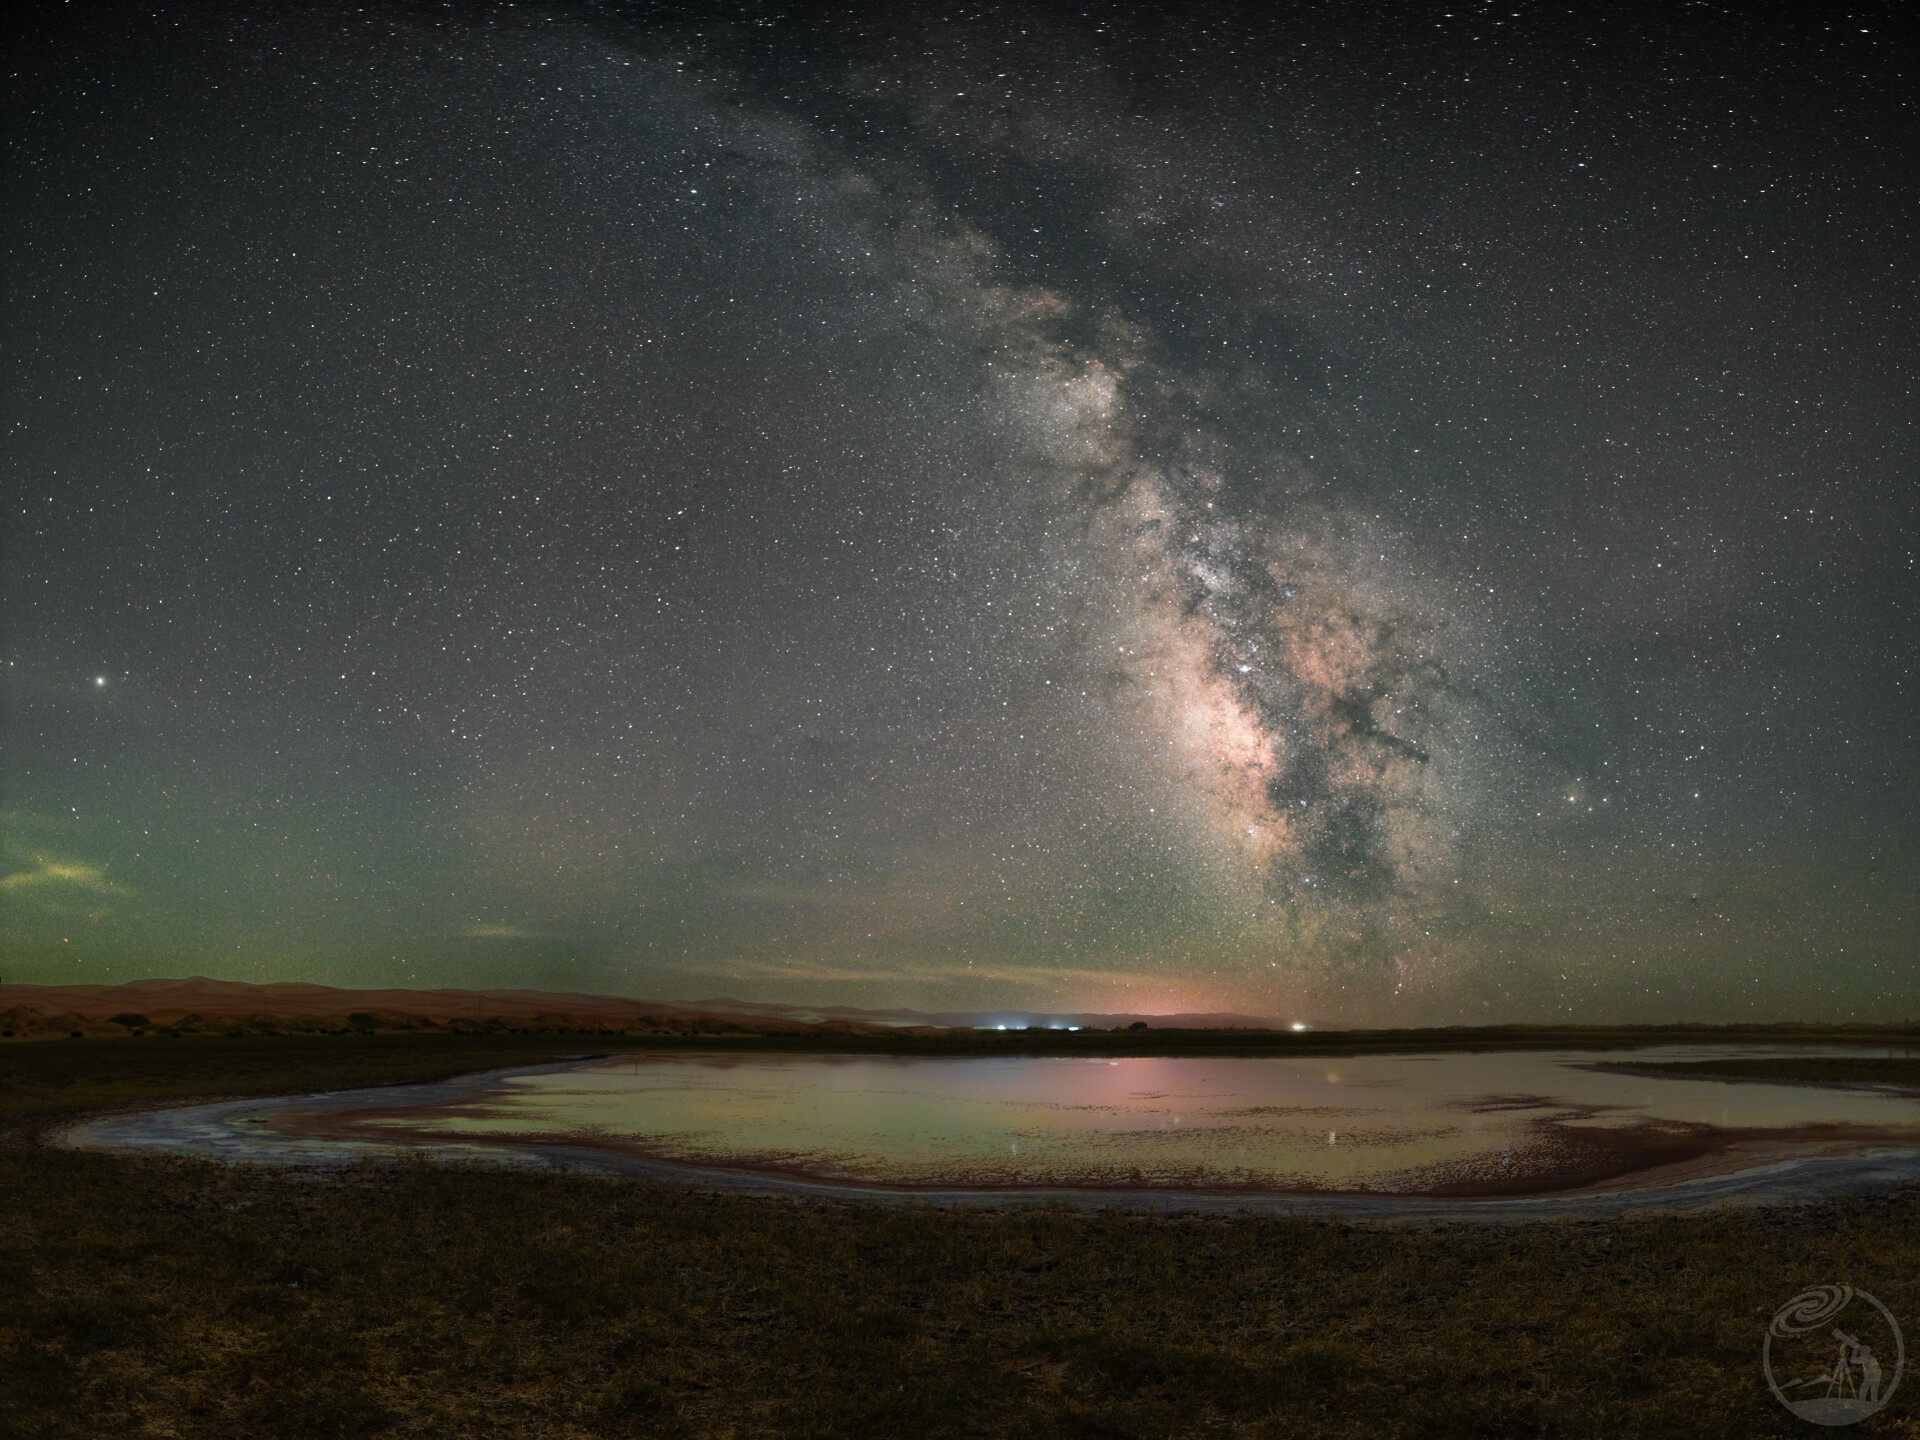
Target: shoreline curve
<point x="221" y="1131"/>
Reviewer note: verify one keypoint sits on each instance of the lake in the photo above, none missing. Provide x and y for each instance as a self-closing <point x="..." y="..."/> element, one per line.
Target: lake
<point x="1442" y="1124"/>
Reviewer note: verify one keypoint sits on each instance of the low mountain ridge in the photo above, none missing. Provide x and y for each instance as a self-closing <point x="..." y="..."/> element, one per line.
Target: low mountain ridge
<point x="200" y="1004"/>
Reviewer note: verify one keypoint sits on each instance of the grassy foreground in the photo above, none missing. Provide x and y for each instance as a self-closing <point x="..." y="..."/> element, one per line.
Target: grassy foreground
<point x="150" y="1298"/>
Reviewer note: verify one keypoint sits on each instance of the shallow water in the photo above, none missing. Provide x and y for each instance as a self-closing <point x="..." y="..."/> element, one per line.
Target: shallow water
<point x="1514" y="1122"/>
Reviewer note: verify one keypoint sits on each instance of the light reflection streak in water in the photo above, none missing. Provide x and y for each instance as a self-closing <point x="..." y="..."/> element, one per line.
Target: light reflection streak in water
<point x="1399" y="1123"/>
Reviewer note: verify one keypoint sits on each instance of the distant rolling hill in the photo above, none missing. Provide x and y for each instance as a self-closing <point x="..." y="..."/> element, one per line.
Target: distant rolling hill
<point x="199" y="1004"/>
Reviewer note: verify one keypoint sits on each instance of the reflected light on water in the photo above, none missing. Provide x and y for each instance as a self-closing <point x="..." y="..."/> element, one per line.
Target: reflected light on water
<point x="1449" y="1123"/>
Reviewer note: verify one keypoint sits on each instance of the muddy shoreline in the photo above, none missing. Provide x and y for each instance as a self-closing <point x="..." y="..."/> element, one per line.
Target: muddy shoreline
<point x="1648" y="1072"/>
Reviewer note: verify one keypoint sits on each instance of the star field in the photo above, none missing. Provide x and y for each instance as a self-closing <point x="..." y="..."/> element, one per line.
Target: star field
<point x="1404" y="516"/>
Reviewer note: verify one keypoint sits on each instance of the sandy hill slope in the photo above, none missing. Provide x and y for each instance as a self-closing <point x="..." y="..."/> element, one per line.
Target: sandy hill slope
<point x="198" y="1004"/>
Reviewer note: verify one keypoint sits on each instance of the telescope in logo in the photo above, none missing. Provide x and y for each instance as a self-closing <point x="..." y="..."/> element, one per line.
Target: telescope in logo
<point x="1853" y="1383"/>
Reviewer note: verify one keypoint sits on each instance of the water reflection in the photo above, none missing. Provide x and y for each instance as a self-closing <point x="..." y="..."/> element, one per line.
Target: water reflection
<point x="1438" y="1124"/>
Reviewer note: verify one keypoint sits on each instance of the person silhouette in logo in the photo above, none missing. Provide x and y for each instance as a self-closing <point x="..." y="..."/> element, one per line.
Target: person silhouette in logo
<point x="1867" y="1387"/>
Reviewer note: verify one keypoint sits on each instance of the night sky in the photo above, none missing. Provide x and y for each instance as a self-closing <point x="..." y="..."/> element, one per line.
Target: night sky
<point x="1402" y="514"/>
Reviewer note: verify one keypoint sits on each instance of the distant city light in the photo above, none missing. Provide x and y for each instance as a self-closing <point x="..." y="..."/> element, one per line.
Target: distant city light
<point x="1299" y="1025"/>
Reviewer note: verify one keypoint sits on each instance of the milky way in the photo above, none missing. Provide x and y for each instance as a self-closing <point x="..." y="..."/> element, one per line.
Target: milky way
<point x="1405" y="516"/>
